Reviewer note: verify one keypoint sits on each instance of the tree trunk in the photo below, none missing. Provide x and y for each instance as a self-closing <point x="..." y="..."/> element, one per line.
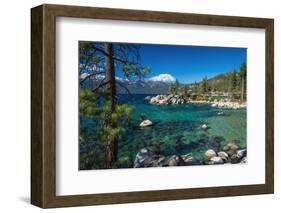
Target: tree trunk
<point x="111" y="146"/>
<point x="242" y="98"/>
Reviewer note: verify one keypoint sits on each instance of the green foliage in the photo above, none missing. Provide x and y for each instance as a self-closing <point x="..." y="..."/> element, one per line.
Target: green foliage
<point x="133" y="69"/>
<point x="87" y="103"/>
<point x="88" y="56"/>
<point x="243" y="70"/>
<point x="112" y="122"/>
<point x="171" y="89"/>
<point x="195" y="87"/>
<point x="230" y="84"/>
<point x="233" y="81"/>
<point x="146" y="70"/>
<point x="243" y="84"/>
<point x="185" y="91"/>
<point x="174" y="88"/>
<point x="205" y="87"/>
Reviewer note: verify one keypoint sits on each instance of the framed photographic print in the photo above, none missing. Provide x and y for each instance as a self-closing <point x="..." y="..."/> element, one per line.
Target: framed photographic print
<point x="136" y="106"/>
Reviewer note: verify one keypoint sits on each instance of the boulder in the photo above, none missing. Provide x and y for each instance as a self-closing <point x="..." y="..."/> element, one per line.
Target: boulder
<point x="172" y="160"/>
<point x="188" y="159"/>
<point x="161" y="160"/>
<point x="243" y="160"/>
<point x="173" y="101"/>
<point x="145" y="123"/>
<point x="242" y="153"/>
<point x="209" y="154"/>
<point x="150" y="161"/>
<point x="140" y="157"/>
<point x="223" y="155"/>
<point x="204" y="126"/>
<point x="217" y="160"/>
<point x="235" y="158"/>
<point x="230" y="148"/>
<point x="214" y="105"/>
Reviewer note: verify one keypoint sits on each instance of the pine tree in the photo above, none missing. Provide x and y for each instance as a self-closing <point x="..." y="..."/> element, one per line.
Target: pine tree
<point x="110" y="56"/>
<point x="205" y="87"/>
<point x="185" y="92"/>
<point x="243" y="76"/>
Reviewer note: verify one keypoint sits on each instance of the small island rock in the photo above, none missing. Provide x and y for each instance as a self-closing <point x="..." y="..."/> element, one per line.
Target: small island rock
<point x="145" y="123"/>
<point x="204" y="126"/>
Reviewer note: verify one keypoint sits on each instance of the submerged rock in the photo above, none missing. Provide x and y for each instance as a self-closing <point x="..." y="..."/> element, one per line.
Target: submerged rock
<point x="147" y="98"/>
<point x="220" y="113"/>
<point x="145" y="123"/>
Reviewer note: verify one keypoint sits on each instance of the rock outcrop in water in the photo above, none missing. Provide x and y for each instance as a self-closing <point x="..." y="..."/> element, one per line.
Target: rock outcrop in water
<point x="146" y="123"/>
<point x="177" y="99"/>
<point x="231" y="155"/>
<point x="229" y="105"/>
<point x="167" y="100"/>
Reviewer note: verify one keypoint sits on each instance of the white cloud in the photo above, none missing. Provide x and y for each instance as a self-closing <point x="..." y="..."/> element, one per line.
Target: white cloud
<point x="167" y="78"/>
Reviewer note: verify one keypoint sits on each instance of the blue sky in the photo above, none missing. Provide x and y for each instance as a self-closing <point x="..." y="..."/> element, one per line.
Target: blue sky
<point x="191" y="63"/>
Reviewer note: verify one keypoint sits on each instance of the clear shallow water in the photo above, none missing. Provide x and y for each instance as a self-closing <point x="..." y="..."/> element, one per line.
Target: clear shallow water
<point x="177" y="128"/>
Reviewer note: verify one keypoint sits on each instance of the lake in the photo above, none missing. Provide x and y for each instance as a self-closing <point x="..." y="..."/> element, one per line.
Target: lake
<point x="176" y="129"/>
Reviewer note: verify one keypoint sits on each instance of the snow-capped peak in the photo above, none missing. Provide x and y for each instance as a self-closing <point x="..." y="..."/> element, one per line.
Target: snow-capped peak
<point x="167" y="78"/>
<point x="84" y="75"/>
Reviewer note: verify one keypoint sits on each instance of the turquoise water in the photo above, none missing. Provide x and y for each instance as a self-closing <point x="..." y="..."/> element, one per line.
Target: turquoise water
<point x="176" y="129"/>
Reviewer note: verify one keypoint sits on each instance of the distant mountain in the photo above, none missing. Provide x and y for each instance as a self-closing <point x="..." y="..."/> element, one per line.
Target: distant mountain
<point x="155" y="85"/>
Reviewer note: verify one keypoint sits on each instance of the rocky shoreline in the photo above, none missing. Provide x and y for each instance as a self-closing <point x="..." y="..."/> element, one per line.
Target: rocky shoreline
<point x="230" y="154"/>
<point x="177" y="99"/>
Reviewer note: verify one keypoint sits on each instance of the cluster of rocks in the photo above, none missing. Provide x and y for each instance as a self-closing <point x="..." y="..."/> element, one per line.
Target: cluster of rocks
<point x="166" y="99"/>
<point x="229" y="105"/>
<point x="230" y="154"/>
<point x="177" y="99"/>
<point x="146" y="158"/>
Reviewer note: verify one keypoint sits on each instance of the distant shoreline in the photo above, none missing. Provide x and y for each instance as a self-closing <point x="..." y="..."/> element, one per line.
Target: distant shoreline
<point x="178" y="100"/>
